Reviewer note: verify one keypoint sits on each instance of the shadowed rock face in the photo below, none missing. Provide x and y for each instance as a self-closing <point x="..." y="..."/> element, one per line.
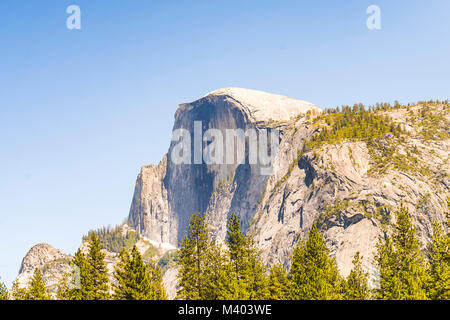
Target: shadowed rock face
<point x="310" y="173"/>
<point x="163" y="214"/>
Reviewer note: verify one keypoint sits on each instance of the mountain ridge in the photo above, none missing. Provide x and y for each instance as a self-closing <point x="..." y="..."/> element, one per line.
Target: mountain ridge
<point x="327" y="169"/>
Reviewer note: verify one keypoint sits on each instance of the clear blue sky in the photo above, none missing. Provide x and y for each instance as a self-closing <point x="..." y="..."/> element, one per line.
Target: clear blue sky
<point x="82" y="110"/>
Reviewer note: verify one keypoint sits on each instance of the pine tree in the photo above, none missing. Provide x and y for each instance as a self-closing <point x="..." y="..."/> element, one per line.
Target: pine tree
<point x="79" y="277"/>
<point x="194" y="261"/>
<point x="156" y="276"/>
<point x="17" y="292"/>
<point x="278" y="283"/>
<point x="314" y="275"/>
<point x="387" y="265"/>
<point x="62" y="290"/>
<point x="88" y="279"/>
<point x="37" y="289"/>
<point x="438" y="286"/>
<point x="247" y="276"/>
<point x="401" y="263"/>
<point x="411" y="263"/>
<point x="217" y="273"/>
<point x="236" y="242"/>
<point x="255" y="274"/>
<point x="356" y="285"/>
<point x="135" y="280"/>
<point x="95" y="285"/>
<point x="3" y="291"/>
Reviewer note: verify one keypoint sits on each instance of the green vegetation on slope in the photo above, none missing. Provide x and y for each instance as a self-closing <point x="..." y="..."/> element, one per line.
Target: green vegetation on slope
<point x="385" y="139"/>
<point x="431" y="120"/>
<point x="351" y="124"/>
<point x="114" y="239"/>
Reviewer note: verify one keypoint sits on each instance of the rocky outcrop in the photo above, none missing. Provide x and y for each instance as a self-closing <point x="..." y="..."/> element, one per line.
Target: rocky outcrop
<point x="49" y="260"/>
<point x="170" y="281"/>
<point x="150" y="208"/>
<point x="54" y="264"/>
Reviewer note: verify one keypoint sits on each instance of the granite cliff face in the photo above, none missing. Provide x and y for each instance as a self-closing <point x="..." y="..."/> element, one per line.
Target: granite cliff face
<point x="351" y="188"/>
<point x="333" y="184"/>
<point x="167" y="194"/>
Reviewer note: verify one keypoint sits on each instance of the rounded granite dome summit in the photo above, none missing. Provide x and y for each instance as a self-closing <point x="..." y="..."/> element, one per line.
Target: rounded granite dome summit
<point x="263" y="106"/>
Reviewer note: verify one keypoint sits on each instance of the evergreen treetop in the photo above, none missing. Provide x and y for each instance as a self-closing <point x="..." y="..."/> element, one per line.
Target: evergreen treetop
<point x="136" y="280"/>
<point x="96" y="284"/>
<point x="314" y="275"/>
<point x="3" y="291"/>
<point x="401" y="263"/>
<point x="37" y="289"/>
<point x="356" y="285"/>
<point x="439" y="264"/>
<point x="247" y="269"/>
<point x="193" y="259"/>
<point x="278" y="283"/>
